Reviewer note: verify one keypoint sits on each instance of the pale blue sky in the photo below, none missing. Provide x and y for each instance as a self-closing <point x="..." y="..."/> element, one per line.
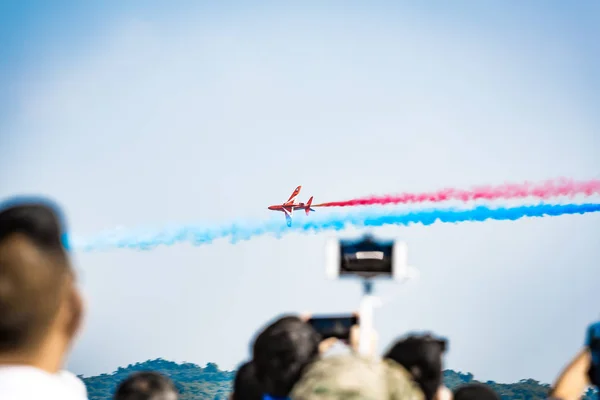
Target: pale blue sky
<point x="134" y="115"/>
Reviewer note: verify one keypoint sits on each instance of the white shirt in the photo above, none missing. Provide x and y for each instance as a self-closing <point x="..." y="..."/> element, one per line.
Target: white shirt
<point x="28" y="383"/>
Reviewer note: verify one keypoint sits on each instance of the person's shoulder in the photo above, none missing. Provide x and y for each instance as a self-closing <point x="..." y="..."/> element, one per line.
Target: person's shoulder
<point x="73" y="384"/>
<point x="22" y="383"/>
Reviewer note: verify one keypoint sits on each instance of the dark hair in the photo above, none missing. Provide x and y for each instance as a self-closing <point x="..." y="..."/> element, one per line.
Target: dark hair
<point x="245" y="385"/>
<point x="281" y="352"/>
<point x="38" y="220"/>
<point x="421" y="355"/>
<point x="475" y="391"/>
<point x="33" y="268"/>
<point x="146" y="385"/>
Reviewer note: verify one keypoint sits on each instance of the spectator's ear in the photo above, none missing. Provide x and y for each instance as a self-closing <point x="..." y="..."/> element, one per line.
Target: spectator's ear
<point x="72" y="311"/>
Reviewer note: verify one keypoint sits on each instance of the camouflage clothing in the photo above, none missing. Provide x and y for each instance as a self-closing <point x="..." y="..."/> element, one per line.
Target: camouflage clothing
<point x="357" y="378"/>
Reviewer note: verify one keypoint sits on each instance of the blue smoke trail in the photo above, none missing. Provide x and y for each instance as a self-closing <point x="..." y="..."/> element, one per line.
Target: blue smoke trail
<point x="198" y="235"/>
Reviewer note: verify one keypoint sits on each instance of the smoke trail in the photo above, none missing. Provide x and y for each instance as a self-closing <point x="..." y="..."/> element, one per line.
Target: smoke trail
<point x="197" y="235"/>
<point x="543" y="190"/>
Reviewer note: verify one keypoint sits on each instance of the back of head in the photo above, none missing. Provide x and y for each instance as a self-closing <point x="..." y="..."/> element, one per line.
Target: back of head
<point x="475" y="391"/>
<point x="245" y="385"/>
<point x="350" y="376"/>
<point x="281" y="352"/>
<point x="422" y="357"/>
<point x="34" y="274"/>
<point x="146" y="385"/>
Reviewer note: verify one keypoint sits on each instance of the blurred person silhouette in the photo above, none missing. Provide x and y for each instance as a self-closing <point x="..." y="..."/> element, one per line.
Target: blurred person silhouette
<point x="281" y="352"/>
<point x="146" y="385"/>
<point x="355" y="376"/>
<point x="40" y="306"/>
<point x="245" y="385"/>
<point x="421" y="355"/>
<point x="475" y="391"/>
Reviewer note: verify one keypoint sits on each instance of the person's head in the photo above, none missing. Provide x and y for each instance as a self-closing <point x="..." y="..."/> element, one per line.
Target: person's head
<point x="281" y="352"/>
<point x="352" y="376"/>
<point x="475" y="391"/>
<point x="245" y="386"/>
<point x="40" y="306"/>
<point x="421" y="355"/>
<point x="146" y="385"/>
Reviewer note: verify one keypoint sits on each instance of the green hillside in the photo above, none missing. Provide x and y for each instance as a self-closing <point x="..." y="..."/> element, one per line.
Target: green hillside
<point x="195" y="382"/>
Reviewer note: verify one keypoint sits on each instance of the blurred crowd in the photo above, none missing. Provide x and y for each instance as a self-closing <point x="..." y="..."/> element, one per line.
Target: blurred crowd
<point x="41" y="311"/>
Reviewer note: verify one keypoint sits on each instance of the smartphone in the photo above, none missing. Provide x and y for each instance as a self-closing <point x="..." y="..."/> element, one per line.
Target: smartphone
<point x="366" y="258"/>
<point x="334" y="326"/>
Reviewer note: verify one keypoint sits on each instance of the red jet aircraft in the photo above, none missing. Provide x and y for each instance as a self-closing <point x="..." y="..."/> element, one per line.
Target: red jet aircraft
<point x="289" y="206"/>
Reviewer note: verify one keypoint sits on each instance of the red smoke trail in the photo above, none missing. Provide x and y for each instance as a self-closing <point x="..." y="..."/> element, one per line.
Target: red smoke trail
<point x="543" y="190"/>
